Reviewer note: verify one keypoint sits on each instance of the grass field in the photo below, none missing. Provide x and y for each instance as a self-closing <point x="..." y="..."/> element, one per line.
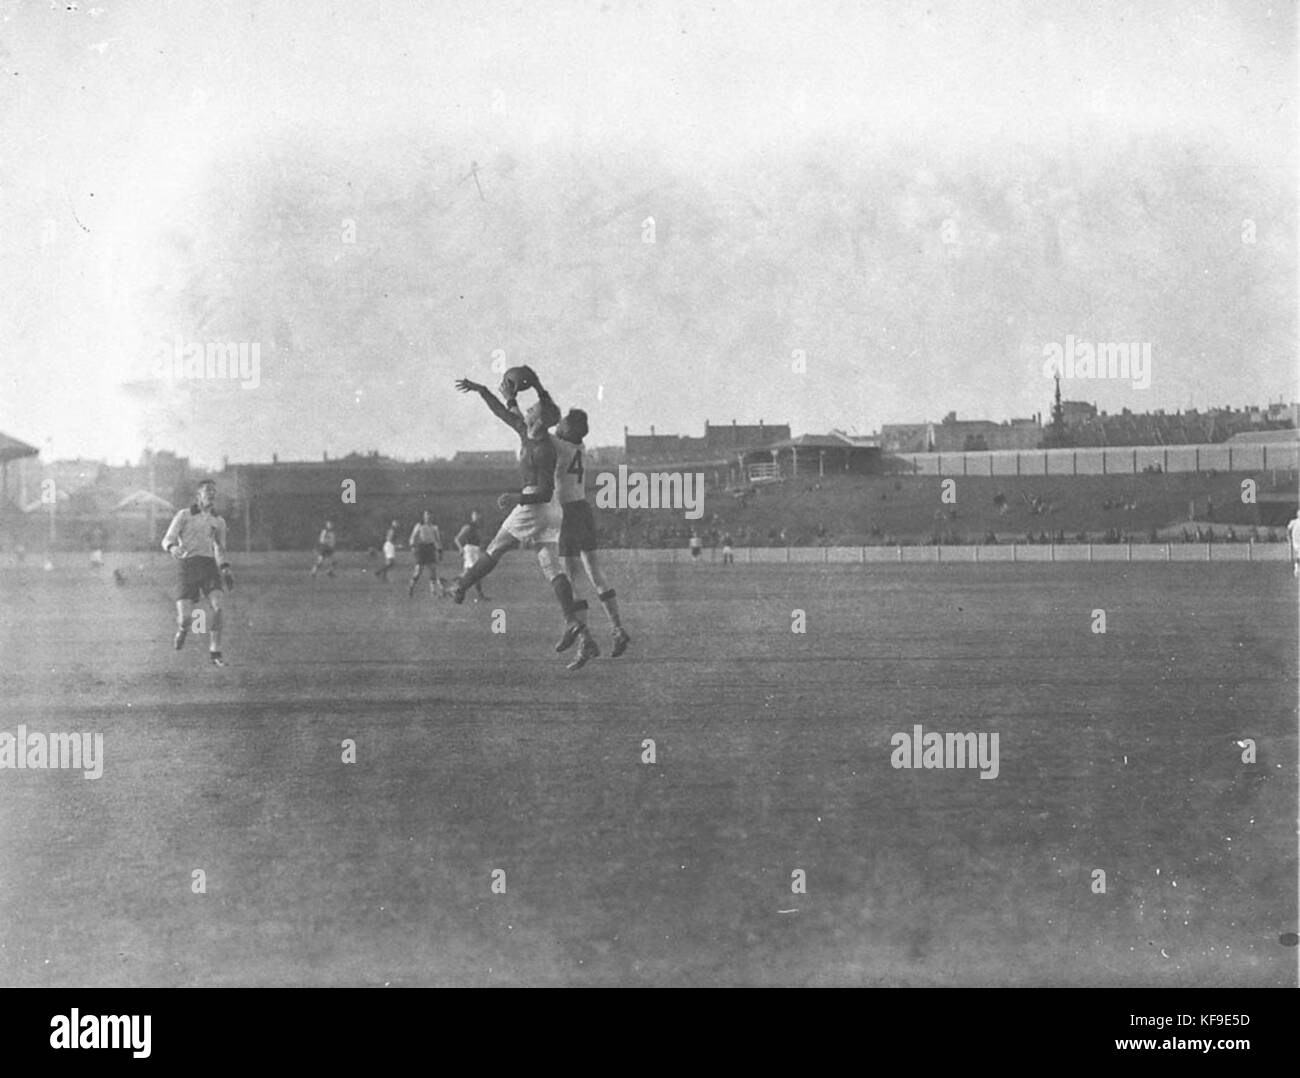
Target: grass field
<point x="477" y="751"/>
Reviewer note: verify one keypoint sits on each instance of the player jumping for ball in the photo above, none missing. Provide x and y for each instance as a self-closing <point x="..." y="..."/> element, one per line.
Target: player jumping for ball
<point x="534" y="516"/>
<point x="197" y="539"/>
<point x="578" y="529"/>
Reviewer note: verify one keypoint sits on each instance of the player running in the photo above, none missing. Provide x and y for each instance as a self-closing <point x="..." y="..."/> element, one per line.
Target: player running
<point x="390" y="552"/>
<point x="578" y="528"/>
<point x="197" y="539"/>
<point x="534" y="517"/>
<point x="325" y="549"/>
<point x="426" y="541"/>
<point x="469" y="541"/>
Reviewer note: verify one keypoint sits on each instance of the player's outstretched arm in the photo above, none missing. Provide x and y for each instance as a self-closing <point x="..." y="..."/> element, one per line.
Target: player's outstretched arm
<point x="511" y="419"/>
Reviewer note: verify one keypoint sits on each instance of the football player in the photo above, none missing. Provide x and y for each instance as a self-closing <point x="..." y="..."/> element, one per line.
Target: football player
<point x="426" y="541"/>
<point x="325" y="549"/>
<point x="578" y="527"/>
<point x="390" y="552"/>
<point x="470" y="544"/>
<point x="197" y="539"/>
<point x="534" y="516"/>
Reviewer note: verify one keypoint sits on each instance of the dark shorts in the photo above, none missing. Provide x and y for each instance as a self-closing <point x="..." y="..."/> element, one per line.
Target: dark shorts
<point x="199" y="576"/>
<point x="577" y="530"/>
<point x="325" y="551"/>
<point x="426" y="554"/>
<point x="696" y="551"/>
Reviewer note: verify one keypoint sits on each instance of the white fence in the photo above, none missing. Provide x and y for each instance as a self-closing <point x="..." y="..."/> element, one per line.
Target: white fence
<point x="964" y="555"/>
<point x="1129" y="460"/>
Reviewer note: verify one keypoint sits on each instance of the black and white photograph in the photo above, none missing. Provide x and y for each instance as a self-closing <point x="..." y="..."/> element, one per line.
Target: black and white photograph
<point x="615" y="494"/>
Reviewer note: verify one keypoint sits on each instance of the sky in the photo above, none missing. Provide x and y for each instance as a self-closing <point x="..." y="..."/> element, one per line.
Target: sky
<point x="825" y="214"/>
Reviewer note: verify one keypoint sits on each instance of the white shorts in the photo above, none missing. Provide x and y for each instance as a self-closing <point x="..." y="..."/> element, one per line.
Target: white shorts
<point x="390" y="551"/>
<point x="532" y="525"/>
<point x="471" y="554"/>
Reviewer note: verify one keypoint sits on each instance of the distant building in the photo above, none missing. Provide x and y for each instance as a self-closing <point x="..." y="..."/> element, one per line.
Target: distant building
<point x="955" y="435"/>
<point x="906" y="437"/>
<point x="1077" y="413"/>
<point x="13" y="451"/>
<point x="816" y="455"/>
<point x="720" y="444"/>
<point x="1284" y="414"/>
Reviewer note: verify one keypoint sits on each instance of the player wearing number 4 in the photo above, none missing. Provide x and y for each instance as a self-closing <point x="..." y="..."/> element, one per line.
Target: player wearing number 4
<point x="578" y="529"/>
<point x="197" y="539"/>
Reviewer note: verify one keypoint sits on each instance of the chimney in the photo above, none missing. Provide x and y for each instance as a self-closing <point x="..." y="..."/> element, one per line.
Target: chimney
<point x="652" y="430"/>
<point x="325" y="455"/>
<point x="275" y="458"/>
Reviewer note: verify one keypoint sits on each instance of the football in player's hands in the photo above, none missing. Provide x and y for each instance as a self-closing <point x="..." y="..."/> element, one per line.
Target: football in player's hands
<point x="516" y="380"/>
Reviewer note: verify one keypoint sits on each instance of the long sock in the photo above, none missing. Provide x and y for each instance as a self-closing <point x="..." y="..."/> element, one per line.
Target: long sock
<point x="611" y="607"/>
<point x="574" y="610"/>
<point x="478" y="571"/>
<point x="214" y="631"/>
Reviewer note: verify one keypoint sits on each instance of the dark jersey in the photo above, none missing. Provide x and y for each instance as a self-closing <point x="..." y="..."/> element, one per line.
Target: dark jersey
<point x="469" y="535"/>
<point x="537" y="469"/>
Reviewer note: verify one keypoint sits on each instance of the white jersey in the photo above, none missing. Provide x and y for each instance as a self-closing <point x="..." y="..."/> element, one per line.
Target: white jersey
<point x="1293" y="530"/>
<point x="570" y="473"/>
<point x="199" y="532"/>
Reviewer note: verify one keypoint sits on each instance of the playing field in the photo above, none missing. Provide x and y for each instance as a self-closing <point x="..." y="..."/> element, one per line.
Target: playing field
<point x="476" y="751"/>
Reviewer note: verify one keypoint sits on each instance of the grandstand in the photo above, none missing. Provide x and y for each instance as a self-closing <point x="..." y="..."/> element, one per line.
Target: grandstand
<point x="280" y="506"/>
<point x="907" y="509"/>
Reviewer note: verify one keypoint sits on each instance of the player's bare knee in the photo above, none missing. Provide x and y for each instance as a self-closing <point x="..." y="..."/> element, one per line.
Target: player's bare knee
<point x="550" y="565"/>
